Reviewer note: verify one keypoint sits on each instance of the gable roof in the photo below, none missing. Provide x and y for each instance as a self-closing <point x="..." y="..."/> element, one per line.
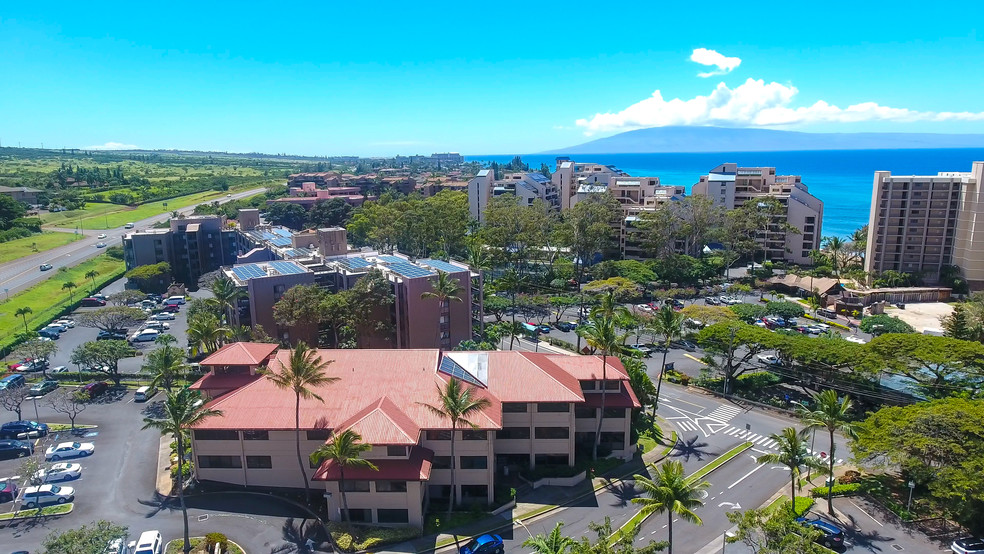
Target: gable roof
<point x="240" y="353"/>
<point x="382" y="422"/>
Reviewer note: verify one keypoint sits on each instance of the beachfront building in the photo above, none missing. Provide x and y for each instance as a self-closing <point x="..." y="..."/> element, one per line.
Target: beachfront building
<point x="731" y="187"/>
<point x="526" y="186"/>
<point x="543" y="410"/>
<point x="919" y="224"/>
<point x="570" y="177"/>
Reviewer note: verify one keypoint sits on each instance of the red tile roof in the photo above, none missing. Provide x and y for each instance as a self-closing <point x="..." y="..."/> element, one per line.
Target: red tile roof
<point x="586" y="368"/>
<point x="530" y="377"/>
<point x="241" y="353"/>
<point x="227" y="382"/>
<point x="620" y="399"/>
<point x="382" y="422"/>
<point x="416" y="468"/>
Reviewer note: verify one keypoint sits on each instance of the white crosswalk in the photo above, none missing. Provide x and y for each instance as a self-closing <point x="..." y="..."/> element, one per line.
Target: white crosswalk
<point x="724" y="413"/>
<point x="686" y="425"/>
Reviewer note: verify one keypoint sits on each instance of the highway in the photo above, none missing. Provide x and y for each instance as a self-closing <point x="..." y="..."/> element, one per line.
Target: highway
<point x="25" y="272"/>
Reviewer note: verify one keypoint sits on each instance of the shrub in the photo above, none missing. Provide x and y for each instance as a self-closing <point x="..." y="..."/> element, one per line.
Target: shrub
<point x="559" y="343"/>
<point x="803" y="505"/>
<point x="837" y="490"/>
<point x="219" y="539"/>
<point x="350" y="538"/>
<point x="185" y="469"/>
<point x="850" y="476"/>
<point x="757" y="380"/>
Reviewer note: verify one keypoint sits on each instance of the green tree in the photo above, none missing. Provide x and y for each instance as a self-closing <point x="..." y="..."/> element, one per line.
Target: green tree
<point x="496" y="306"/>
<point x="671" y="492"/>
<point x="602" y="334"/>
<point x="151" y="278"/>
<point x="668" y="325"/>
<point x="369" y="302"/>
<point x="37" y="349"/>
<point x="344" y="450"/>
<point x="227" y="295"/>
<point x="586" y="229"/>
<point x="300" y="308"/>
<point x="329" y="213"/>
<point x="205" y="333"/>
<point x="511" y="281"/>
<point x="785" y="310"/>
<point x="70" y="286"/>
<point x="775" y="532"/>
<point x="165" y="365"/>
<point x="304" y="373"/>
<point x="103" y="356"/>
<point x="183" y="410"/>
<point x="834" y="248"/>
<point x="623" y="289"/>
<point x="90" y="538"/>
<point x="457" y="403"/>
<point x="939" y="366"/>
<point x="729" y="346"/>
<point x="444" y="289"/>
<point x="111" y="318"/>
<point x="553" y="543"/>
<point x="620" y="541"/>
<point x="22" y="312"/>
<point x="831" y="414"/>
<point x="749" y="312"/>
<point x="91" y="276"/>
<point x="958" y="325"/>
<point x="335" y="317"/>
<point x="880" y="324"/>
<point x="287" y="214"/>
<point x="792" y="453"/>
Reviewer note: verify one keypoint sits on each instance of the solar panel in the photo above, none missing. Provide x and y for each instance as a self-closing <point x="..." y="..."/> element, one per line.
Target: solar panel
<point x="450" y="367"/>
<point x="249" y="271"/>
<point x="442" y="265"/>
<point x="282" y="232"/>
<point x="409" y="270"/>
<point x="280" y="241"/>
<point x="391" y="259"/>
<point x="357" y="262"/>
<point x="286" y="268"/>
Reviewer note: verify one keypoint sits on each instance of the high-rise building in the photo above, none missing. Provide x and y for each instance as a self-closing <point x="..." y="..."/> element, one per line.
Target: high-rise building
<point x="731" y="187"/>
<point x="921" y="223"/>
<point x="526" y="186"/>
<point x="193" y="246"/>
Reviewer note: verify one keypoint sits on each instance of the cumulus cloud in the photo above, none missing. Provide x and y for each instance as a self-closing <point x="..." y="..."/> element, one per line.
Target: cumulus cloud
<point x="724" y="64"/>
<point x="754" y="103"/>
<point x="113" y="146"/>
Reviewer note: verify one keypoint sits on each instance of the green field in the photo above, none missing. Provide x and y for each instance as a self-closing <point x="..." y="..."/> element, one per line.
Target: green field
<point x="48" y="299"/>
<point x="11" y="250"/>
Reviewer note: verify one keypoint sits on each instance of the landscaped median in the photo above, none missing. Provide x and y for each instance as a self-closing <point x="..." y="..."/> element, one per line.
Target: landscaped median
<point x="58" y="510"/>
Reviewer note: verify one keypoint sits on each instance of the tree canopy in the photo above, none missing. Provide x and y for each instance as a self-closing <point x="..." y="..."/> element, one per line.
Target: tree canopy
<point x="880" y="324"/>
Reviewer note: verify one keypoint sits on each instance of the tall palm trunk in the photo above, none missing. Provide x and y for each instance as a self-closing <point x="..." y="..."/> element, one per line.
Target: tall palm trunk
<point x="341" y="489"/>
<point x="830" y="486"/>
<point x="662" y="370"/>
<point x="297" y="441"/>
<point x="181" y="496"/>
<point x="604" y="394"/>
<point x="512" y="333"/>
<point x="669" y="532"/>
<point x="454" y="467"/>
<point x="792" y="491"/>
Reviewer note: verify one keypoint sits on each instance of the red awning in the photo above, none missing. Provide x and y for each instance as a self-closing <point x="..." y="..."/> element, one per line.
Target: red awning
<point x="417" y="468"/>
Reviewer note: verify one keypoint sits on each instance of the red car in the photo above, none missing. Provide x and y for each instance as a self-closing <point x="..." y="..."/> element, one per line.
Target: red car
<point x="8" y="490"/>
<point x="92" y="302"/>
<point x="173" y="308"/>
<point x="96" y="388"/>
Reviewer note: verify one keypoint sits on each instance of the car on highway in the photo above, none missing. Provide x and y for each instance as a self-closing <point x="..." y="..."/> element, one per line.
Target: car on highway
<point x="92" y="302"/>
<point x="832" y="536"/>
<point x="15" y="449"/>
<point x="15" y="429"/>
<point x="485" y="544"/>
<point x="163" y="316"/>
<point x="95" y="388"/>
<point x="8" y="490"/>
<point x="68" y="450"/>
<point x="42" y="388"/>
<point x="46" y="494"/>
<point x="45" y="267"/>
<point x="968" y="545"/>
<point x="128" y="226"/>
<point x="101" y="236"/>
<point x="100" y="245"/>
<point x="62" y="471"/>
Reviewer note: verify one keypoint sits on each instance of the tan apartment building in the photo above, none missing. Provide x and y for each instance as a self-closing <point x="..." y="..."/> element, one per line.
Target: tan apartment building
<point x="526" y="186"/>
<point x="570" y="176"/>
<point x="192" y="245"/>
<point x="921" y="223"/>
<point x="731" y="187"/>
<point x="542" y="409"/>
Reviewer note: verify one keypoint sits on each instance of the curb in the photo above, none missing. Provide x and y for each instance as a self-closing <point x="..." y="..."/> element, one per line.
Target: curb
<point x="71" y="508"/>
<point x="234" y="543"/>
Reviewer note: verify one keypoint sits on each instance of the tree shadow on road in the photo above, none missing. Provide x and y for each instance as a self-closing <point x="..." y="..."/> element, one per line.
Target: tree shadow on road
<point x="623" y="491"/>
<point x="159" y="503"/>
<point x="305" y="537"/>
<point x="690" y="447"/>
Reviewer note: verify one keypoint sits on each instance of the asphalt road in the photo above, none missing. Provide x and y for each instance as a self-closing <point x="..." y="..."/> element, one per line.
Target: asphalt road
<point x="25" y="272"/>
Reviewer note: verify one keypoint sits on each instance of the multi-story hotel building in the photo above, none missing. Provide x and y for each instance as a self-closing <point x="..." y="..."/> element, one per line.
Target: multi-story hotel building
<point x="921" y="223"/>
<point x="731" y="186"/>
<point x="192" y="245"/>
<point x="526" y="186"/>
<point x="543" y="409"/>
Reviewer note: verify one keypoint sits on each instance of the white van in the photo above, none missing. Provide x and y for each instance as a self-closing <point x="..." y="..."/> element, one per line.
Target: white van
<point x="149" y="543"/>
<point x="143" y="394"/>
<point x="174" y="300"/>
<point x="146" y="335"/>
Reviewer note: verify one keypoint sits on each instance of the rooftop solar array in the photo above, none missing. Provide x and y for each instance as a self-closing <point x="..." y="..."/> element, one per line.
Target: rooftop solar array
<point x="247" y="272"/>
<point x="281" y="232"/>
<point x="442" y="265"/>
<point x="354" y="262"/>
<point x="298" y="252"/>
<point x="409" y="270"/>
<point x="288" y="268"/>
<point x="450" y="367"/>
<point x="391" y="259"/>
<point x="538" y="177"/>
<point x="280" y="241"/>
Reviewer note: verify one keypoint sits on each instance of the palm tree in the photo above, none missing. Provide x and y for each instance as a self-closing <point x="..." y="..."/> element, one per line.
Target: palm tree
<point x="22" y="312"/>
<point x="833" y="414"/>
<point x="70" y="285"/>
<point x="457" y="402"/>
<point x="345" y="450"/>
<point x="511" y="281"/>
<point x="601" y="334"/>
<point x="446" y="289"/>
<point x="668" y="324"/>
<point x="183" y="410"/>
<point x="227" y="294"/>
<point x="478" y="258"/>
<point x="672" y="492"/>
<point x="554" y="543"/>
<point x="792" y="453"/>
<point x="205" y="332"/>
<point x="305" y="370"/>
<point x="835" y="250"/>
<point x="165" y="365"/>
<point x="609" y="307"/>
<point x="91" y="276"/>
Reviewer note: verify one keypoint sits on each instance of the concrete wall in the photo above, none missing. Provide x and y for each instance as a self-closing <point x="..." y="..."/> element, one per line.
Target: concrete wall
<point x="968" y="244"/>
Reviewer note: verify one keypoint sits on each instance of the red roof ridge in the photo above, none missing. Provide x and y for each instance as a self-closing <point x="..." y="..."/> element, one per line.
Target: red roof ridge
<point x="545" y="358"/>
<point x="385" y="406"/>
<point x="252" y="353"/>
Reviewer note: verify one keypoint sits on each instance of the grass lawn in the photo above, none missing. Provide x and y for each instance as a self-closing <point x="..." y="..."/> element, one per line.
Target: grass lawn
<point x="441" y="522"/>
<point x="56" y="510"/>
<point x="110" y="216"/>
<point x="47" y="298"/>
<point x="11" y="250"/>
<point x="803" y="504"/>
<point x="197" y="546"/>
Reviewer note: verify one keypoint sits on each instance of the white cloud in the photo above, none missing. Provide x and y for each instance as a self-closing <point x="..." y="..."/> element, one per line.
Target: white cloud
<point x="754" y="103"/>
<point x="113" y="146"/>
<point x="724" y="64"/>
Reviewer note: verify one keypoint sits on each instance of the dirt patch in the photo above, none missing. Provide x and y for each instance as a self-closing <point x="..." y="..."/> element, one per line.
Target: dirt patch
<point x="922" y="316"/>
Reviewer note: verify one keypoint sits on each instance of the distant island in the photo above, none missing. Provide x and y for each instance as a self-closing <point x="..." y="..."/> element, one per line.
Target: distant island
<point x="727" y="139"/>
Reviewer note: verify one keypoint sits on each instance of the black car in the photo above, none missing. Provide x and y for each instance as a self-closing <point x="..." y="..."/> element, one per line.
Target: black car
<point x="832" y="535"/>
<point x="111" y="335"/>
<point x="15" y="428"/>
<point x="14" y="449"/>
<point x="50" y="334"/>
<point x="565" y="325"/>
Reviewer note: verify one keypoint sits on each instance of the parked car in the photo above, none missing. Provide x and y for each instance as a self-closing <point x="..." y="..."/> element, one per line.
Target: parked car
<point x="157" y="326"/>
<point x="45" y="267"/>
<point x="70" y="323"/>
<point x="856" y="340"/>
<point x="13" y="381"/>
<point x="485" y="544"/>
<point x="803" y="329"/>
<point x="145" y="335"/>
<point x="8" y="490"/>
<point x="62" y="471"/>
<point x="711" y="301"/>
<point x="542" y="328"/>
<point x="111" y="335"/>
<point x="155" y="297"/>
<point x="684" y="344"/>
<point x="47" y="494"/>
<point x="15" y="449"/>
<point x="565" y="325"/>
<point x="150" y="542"/>
<point x="59" y="369"/>
<point x="163" y="316"/>
<point x="68" y="450"/>
<point x="92" y="302"/>
<point x="641" y="349"/>
<point x="95" y="388"/>
<point x="56" y="327"/>
<point x="832" y="535"/>
<point x="171" y="308"/>
<point x="100" y="245"/>
<point x="644" y="307"/>
<point x="44" y="387"/>
<point x="174" y="300"/>
<point x="33" y="365"/>
<point x="677" y="305"/>
<point x="49" y="334"/>
<point x="15" y="429"/>
<point x="968" y="545"/>
<point x="770" y="359"/>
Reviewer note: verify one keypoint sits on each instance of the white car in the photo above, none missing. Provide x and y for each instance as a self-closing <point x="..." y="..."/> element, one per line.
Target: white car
<point x="163" y="316"/>
<point x="70" y="323"/>
<point x="644" y="307"/>
<point x="101" y="236"/>
<point x="59" y="369"/>
<point x="856" y="340"/>
<point x="157" y="325"/>
<point x="58" y="472"/>
<point x="146" y="335"/>
<point x="57" y="327"/>
<point x="68" y="450"/>
<point x="769" y="359"/>
<point x="47" y="494"/>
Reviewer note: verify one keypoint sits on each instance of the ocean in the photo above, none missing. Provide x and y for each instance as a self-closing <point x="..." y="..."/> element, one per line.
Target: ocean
<point x="842" y="179"/>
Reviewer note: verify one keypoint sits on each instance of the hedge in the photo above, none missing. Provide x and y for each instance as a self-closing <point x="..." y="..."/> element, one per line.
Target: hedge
<point x="838" y="490"/>
<point x="351" y="538"/>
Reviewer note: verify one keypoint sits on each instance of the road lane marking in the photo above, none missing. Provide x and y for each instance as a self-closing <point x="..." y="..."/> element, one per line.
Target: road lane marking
<point x="696" y="359"/>
<point x="745" y="476"/>
<point x="866" y="513"/>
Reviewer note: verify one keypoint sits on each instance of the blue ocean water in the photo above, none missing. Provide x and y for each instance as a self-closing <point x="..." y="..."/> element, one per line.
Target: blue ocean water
<point x="841" y="178"/>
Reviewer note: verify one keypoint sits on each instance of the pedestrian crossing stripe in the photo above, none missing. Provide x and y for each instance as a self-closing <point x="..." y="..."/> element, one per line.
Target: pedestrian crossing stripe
<point x="724" y="413"/>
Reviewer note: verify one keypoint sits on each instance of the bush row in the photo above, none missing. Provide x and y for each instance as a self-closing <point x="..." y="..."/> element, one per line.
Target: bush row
<point x="838" y="490"/>
<point x="350" y="538"/>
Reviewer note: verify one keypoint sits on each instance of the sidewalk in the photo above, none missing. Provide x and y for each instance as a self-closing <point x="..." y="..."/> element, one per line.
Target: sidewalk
<point x="164" y="483"/>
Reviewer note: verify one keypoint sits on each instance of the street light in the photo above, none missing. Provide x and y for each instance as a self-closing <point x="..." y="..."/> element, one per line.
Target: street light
<point x="912" y="487"/>
<point x="724" y="540"/>
<point x="519" y="521"/>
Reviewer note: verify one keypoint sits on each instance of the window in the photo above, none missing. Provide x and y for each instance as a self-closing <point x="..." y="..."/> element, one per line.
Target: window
<point x="318" y="434"/>
<point x="475" y="492"/>
<point x="363" y="515"/>
<point x="391" y="486"/>
<point x="256" y="435"/>
<point x="474" y="435"/>
<point x="441" y="462"/>
<point x="438" y="435"/>
<point x="514" y="407"/>
<point x="355" y="485"/>
<point x="584" y="412"/>
<point x="553" y="407"/>
<point x="389" y="515"/>
<point x="552" y="432"/>
<point x="615" y="413"/>
<point x="551" y="459"/>
<point x="474" y="462"/>
<point x="259" y="462"/>
<point x="439" y="491"/>
<point x="216" y="435"/>
<point x="396" y="451"/>
<point x="613" y="438"/>
<point x="220" y="462"/>
<point x="587" y="385"/>
<point x="513" y="433"/>
<point x="612" y="385"/>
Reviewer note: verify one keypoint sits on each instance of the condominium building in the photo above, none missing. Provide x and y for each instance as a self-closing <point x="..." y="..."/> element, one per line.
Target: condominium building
<point x="570" y="176"/>
<point x="192" y="245"/>
<point x="731" y="186"/>
<point x="639" y="195"/>
<point x="525" y="186"/>
<point x="921" y="223"/>
<point x="543" y="409"/>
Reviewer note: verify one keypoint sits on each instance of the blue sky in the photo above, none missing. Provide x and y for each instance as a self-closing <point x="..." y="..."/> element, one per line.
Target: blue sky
<point x="384" y="78"/>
